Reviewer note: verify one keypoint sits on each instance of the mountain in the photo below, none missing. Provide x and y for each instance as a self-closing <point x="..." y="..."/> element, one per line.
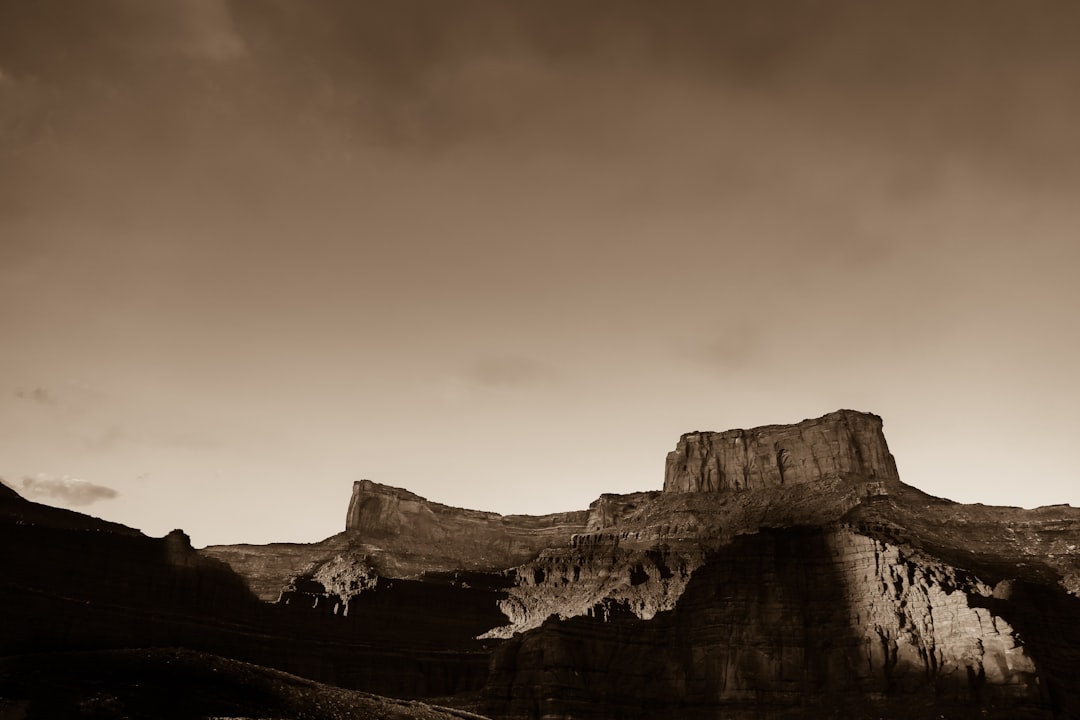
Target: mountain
<point x="782" y="571"/>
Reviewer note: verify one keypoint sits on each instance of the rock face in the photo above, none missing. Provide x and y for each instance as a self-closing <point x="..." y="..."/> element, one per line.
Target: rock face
<point x="396" y="534"/>
<point x="783" y="571"/>
<point x="653" y="543"/>
<point x="796" y="622"/>
<point x="414" y="535"/>
<point x="394" y="541"/>
<point x="841" y="444"/>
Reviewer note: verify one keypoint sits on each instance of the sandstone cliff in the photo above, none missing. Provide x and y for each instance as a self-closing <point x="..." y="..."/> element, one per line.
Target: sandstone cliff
<point x="801" y="622"/>
<point x="393" y="533"/>
<point x="840" y="444"/>
<point x="644" y="557"/>
<point x="402" y="524"/>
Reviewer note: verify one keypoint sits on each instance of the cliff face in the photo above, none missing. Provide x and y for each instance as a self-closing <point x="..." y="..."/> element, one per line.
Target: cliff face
<point x="651" y="545"/>
<point x="840" y="444"/>
<point x="405" y="526"/>
<point x="792" y="623"/>
<point x="396" y="534"/>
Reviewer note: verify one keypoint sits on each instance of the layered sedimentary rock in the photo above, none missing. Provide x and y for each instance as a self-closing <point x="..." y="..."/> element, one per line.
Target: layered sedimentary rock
<point x="784" y="571"/>
<point x="841" y="444"/>
<point x="443" y="538"/>
<point x="652" y="544"/>
<point x="392" y="533"/>
<point x="395" y="545"/>
<point x="793" y="623"/>
<point x="269" y="568"/>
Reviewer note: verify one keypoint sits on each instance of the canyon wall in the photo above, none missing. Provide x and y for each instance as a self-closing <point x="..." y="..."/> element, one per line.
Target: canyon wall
<point x="792" y="623"/>
<point x="841" y="444"/>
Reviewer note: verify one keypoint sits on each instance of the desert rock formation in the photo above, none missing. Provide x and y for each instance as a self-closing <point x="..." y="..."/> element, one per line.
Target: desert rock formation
<point x="841" y="444"/>
<point x="783" y="571"/>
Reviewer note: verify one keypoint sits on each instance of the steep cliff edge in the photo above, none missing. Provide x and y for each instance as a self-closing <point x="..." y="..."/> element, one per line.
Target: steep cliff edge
<point x="841" y="444"/>
<point x="408" y="534"/>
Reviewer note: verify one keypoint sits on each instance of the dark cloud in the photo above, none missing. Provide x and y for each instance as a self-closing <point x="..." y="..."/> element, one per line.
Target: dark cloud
<point x="64" y="489"/>
<point x="953" y="71"/>
<point x="989" y="79"/>
<point x="37" y="395"/>
<point x="104" y="37"/>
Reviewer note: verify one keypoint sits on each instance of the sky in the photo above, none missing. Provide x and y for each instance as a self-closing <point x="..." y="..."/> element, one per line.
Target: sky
<point x="504" y="254"/>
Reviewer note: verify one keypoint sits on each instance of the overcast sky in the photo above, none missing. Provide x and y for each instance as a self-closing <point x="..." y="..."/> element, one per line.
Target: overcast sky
<point x="504" y="253"/>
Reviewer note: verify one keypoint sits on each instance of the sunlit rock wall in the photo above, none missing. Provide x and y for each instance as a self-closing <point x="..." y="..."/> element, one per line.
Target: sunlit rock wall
<point x="840" y="444"/>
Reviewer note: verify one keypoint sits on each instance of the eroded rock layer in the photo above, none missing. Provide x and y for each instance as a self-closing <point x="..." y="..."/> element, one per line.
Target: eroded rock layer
<point x="840" y="444"/>
<point x="444" y="538"/>
<point x="796" y="622"/>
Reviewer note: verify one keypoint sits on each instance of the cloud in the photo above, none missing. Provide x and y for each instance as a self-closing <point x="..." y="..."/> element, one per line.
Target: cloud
<point x="64" y="489"/>
<point x="490" y="376"/>
<point x="105" y="440"/>
<point x="737" y="348"/>
<point x="507" y="371"/>
<point x="37" y="395"/>
<point x="210" y="32"/>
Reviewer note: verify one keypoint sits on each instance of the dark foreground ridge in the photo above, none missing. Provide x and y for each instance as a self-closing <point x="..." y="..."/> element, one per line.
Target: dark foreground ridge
<point x="784" y="571"/>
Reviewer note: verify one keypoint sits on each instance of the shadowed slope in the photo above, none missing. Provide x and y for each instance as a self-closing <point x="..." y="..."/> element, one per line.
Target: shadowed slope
<point x="170" y="684"/>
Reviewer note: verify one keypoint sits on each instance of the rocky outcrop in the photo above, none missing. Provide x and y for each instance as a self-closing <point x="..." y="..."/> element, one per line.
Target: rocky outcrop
<point x="270" y="568"/>
<point x="396" y="541"/>
<point x="591" y="579"/>
<point x="841" y="444"/>
<point x="651" y="543"/>
<point x="792" y="623"/>
<point x="396" y="534"/>
<point x="406" y="534"/>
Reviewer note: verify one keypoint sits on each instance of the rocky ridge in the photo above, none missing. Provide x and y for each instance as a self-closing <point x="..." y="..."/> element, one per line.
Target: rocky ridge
<point x="784" y="571"/>
<point x="769" y="532"/>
